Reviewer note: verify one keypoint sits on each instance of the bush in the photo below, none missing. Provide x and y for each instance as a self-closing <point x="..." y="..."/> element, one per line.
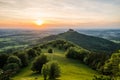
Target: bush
<point x="50" y="50"/>
<point x="38" y="50"/>
<point x="96" y="62"/>
<point x="54" y="71"/>
<point x="12" y="66"/>
<point x="24" y="59"/>
<point x="43" y="46"/>
<point x="70" y="53"/>
<point x="9" y="70"/>
<point x="51" y="70"/>
<point x="76" y="53"/>
<point x="3" y="59"/>
<point x="14" y="59"/>
<point x="112" y="66"/>
<point x="5" y="76"/>
<point x="45" y="71"/>
<point x="38" y="63"/>
<point x="61" y="44"/>
<point x="31" y="53"/>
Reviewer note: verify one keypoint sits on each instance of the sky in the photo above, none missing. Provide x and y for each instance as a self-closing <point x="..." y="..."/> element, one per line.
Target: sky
<point x="60" y="13"/>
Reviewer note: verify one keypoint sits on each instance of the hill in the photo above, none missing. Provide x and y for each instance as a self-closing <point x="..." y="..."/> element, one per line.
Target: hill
<point x="70" y="69"/>
<point x="91" y="43"/>
<point x="75" y="62"/>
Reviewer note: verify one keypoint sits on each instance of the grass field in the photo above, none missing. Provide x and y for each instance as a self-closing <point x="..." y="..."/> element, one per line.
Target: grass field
<point x="70" y="69"/>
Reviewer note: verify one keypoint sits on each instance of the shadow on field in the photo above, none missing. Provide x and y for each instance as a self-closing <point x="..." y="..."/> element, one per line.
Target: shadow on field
<point x="35" y="74"/>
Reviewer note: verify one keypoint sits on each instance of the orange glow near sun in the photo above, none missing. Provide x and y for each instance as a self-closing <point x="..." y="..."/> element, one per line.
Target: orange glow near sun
<point x="39" y="22"/>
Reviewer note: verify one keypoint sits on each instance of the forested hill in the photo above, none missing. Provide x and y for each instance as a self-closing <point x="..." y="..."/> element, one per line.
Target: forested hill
<point x="91" y="43"/>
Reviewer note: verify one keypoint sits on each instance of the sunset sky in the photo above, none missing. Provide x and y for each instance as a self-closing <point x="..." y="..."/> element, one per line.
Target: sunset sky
<point x="60" y="13"/>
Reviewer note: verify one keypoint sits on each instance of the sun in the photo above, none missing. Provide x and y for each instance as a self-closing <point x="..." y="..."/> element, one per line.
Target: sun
<point x="39" y="22"/>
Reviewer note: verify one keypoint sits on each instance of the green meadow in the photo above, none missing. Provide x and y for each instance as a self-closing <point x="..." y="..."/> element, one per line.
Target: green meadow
<point x="70" y="69"/>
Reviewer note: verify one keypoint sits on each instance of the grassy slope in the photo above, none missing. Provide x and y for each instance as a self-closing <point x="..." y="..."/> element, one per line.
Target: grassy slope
<point x="71" y="69"/>
<point x="90" y="43"/>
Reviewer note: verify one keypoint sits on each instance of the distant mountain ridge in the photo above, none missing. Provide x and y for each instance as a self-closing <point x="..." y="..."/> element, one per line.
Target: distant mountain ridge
<point x="91" y="43"/>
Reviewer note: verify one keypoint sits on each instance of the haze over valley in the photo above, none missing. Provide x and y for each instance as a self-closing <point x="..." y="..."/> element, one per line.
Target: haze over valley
<point x="59" y="39"/>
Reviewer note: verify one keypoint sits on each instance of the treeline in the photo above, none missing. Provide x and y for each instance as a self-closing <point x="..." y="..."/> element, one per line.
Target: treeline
<point x="77" y="53"/>
<point x="112" y="65"/>
<point x="93" y="60"/>
<point x="11" y="64"/>
<point x="104" y="63"/>
<point x="60" y="44"/>
<point x="101" y="62"/>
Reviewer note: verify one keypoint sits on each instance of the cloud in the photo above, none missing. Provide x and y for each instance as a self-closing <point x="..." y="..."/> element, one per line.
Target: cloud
<point x="61" y="9"/>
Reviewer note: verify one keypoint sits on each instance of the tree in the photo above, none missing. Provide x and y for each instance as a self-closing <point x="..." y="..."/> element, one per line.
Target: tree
<point x="54" y="70"/>
<point x="14" y="59"/>
<point x="70" y="53"/>
<point x="24" y="59"/>
<point x="5" y="75"/>
<point x="38" y="63"/>
<point x="43" y="46"/>
<point x="45" y="71"/>
<point x="31" y="53"/>
<point x="3" y="60"/>
<point x="76" y="53"/>
<point x="112" y="66"/>
<point x="51" y="70"/>
<point x="50" y="50"/>
<point x="14" y="67"/>
<point x="38" y="49"/>
<point x="9" y="70"/>
<point x="96" y="62"/>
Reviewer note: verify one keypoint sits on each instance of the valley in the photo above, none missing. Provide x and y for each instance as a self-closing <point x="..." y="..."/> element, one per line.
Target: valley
<point x="80" y="56"/>
<point x="59" y="39"/>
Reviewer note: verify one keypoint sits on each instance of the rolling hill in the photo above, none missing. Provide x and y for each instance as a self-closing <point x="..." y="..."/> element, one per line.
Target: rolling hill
<point x="76" y="67"/>
<point x="70" y="69"/>
<point x="91" y="43"/>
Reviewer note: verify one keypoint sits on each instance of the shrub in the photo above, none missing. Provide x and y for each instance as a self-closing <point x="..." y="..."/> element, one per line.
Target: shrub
<point x="112" y="66"/>
<point x="38" y="63"/>
<point x="51" y="70"/>
<point x="24" y="59"/>
<point x="9" y="70"/>
<point x="76" y="53"/>
<point x="38" y="49"/>
<point x="31" y="53"/>
<point x="12" y="66"/>
<point x="50" y="50"/>
<point x="14" y="59"/>
<point x="54" y="71"/>
<point x="3" y="59"/>
<point x="45" y="71"/>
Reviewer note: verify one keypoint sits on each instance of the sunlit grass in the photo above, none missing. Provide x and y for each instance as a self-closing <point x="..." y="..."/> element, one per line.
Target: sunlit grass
<point x="70" y="69"/>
